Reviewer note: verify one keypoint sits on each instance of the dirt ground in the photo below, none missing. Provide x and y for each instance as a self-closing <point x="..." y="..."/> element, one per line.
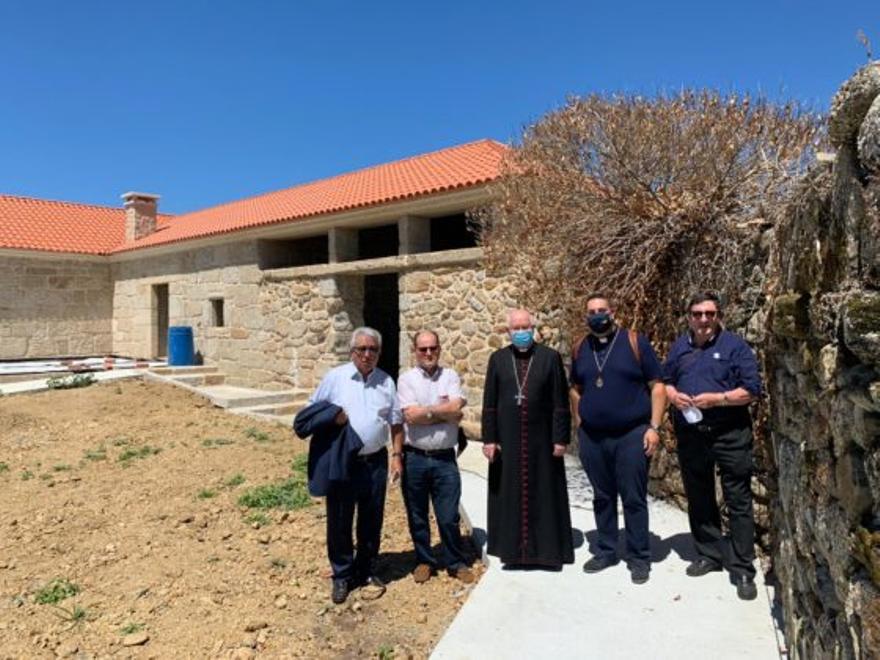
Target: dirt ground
<point x="129" y="491"/>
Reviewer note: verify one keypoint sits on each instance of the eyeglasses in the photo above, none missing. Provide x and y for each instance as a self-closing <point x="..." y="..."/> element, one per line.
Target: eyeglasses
<point x="363" y="350"/>
<point x="709" y="314"/>
<point x="428" y="349"/>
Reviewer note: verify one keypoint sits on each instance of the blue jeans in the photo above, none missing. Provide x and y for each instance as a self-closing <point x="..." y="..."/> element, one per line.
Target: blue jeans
<point x="617" y="466"/>
<point x="436" y="477"/>
<point x="365" y="491"/>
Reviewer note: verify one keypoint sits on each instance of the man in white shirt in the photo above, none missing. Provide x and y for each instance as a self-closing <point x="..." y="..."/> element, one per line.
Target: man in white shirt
<point x="368" y="400"/>
<point x="431" y="399"/>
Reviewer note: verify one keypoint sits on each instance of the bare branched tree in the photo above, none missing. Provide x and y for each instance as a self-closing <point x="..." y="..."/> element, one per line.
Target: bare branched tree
<point x="650" y="199"/>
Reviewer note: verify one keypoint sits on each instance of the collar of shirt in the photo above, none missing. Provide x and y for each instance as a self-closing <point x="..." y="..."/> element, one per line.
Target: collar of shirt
<point x="430" y="376"/>
<point x="709" y="342"/>
<point x="357" y="375"/>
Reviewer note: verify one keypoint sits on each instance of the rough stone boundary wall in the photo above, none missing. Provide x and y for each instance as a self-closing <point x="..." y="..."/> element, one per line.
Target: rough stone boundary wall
<point x="823" y="356"/>
<point x="54" y="308"/>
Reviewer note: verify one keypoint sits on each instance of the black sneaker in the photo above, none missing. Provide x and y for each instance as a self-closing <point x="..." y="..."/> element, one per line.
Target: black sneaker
<point x="599" y="563"/>
<point x="701" y="567"/>
<point x="339" y="592"/>
<point x="745" y="587"/>
<point x="639" y="572"/>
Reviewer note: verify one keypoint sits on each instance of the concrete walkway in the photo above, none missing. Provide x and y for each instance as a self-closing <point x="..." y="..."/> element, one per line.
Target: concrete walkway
<point x="539" y="614"/>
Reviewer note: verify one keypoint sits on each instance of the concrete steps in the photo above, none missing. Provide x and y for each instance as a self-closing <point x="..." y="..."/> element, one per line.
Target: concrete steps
<point x="277" y="406"/>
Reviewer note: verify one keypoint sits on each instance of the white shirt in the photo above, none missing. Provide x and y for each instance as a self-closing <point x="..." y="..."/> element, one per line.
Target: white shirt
<point x="417" y="388"/>
<point x="371" y="405"/>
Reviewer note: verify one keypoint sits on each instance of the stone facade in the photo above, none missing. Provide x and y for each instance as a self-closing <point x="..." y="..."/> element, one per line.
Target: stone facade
<point x="54" y="308"/>
<point x="824" y="383"/>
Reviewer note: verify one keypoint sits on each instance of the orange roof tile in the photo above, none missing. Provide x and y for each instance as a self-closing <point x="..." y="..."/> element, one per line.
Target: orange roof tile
<point x="35" y="224"/>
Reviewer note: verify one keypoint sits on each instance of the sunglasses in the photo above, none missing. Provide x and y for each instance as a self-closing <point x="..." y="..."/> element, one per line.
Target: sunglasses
<point x="428" y="349"/>
<point x="709" y="314"/>
<point x="363" y="350"/>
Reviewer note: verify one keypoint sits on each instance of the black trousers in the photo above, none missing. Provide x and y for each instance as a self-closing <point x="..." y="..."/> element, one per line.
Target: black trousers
<point x="702" y="447"/>
<point x="365" y="491"/>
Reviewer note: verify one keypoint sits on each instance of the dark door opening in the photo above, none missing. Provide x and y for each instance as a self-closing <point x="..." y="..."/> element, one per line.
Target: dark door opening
<point x="160" y="320"/>
<point x="381" y="311"/>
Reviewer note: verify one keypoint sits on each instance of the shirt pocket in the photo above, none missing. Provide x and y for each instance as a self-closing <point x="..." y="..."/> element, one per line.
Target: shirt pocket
<point x="721" y="369"/>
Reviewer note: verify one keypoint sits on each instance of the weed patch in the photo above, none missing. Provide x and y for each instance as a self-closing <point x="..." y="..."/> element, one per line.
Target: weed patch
<point x="130" y="628"/>
<point x="4" y="467"/>
<point x="206" y="494"/>
<point x="257" y="435"/>
<point x="61" y="467"/>
<point x="258" y="519"/>
<point x="130" y="454"/>
<point x="26" y="475"/>
<point x="70" y="382"/>
<point x="216" y="442"/>
<point x="235" y="480"/>
<point x="99" y="454"/>
<point x="289" y="494"/>
<point x="56" y="591"/>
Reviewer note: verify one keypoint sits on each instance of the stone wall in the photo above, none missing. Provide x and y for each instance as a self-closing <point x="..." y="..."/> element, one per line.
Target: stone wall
<point x="467" y="308"/>
<point x="823" y="354"/>
<point x="54" y="308"/>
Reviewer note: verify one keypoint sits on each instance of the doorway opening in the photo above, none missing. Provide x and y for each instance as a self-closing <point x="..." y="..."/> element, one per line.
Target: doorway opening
<point x="382" y="312"/>
<point x="160" y="320"/>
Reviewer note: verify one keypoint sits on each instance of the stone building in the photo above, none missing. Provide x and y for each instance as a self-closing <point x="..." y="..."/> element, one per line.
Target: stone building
<point x="272" y="285"/>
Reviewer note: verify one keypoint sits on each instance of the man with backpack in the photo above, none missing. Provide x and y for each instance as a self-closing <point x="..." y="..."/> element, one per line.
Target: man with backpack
<point x="618" y="400"/>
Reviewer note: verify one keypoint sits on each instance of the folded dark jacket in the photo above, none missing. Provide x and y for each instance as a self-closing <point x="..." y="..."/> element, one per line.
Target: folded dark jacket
<point x="332" y="447"/>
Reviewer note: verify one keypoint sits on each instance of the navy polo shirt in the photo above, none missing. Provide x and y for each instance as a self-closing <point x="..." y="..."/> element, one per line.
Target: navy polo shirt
<point x="624" y="400"/>
<point x="724" y="363"/>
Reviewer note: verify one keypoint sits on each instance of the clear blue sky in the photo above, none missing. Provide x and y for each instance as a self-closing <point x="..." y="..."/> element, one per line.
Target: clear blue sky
<point x="208" y="101"/>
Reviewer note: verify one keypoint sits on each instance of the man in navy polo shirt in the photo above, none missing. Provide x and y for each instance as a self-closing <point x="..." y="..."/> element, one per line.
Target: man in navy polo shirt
<point x="619" y="401"/>
<point x="711" y="377"/>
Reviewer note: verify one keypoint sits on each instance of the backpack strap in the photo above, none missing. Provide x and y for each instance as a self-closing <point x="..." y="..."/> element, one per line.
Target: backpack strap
<point x="634" y="345"/>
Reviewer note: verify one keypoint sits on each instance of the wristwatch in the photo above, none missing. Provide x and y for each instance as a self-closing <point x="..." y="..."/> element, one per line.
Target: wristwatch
<point x="654" y="428"/>
<point x="429" y="415"/>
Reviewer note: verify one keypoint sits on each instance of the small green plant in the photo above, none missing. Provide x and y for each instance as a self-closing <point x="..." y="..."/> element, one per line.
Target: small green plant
<point x="26" y="475"/>
<point x="291" y="493"/>
<point x="132" y="453"/>
<point x="277" y="562"/>
<point x="121" y="441"/>
<point x="61" y="467"/>
<point x="216" y="442"/>
<point x="70" y="382"/>
<point x="257" y="518"/>
<point x="130" y="628"/>
<point x="213" y="559"/>
<point x="300" y="465"/>
<point x="206" y="494"/>
<point x="99" y="454"/>
<point x="74" y="615"/>
<point x="235" y="480"/>
<point x="4" y="467"/>
<point x="257" y="435"/>
<point x="56" y="591"/>
<point x="385" y="652"/>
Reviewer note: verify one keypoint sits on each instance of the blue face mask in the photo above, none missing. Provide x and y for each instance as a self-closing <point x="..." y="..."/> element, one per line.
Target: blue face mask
<point x="600" y="324"/>
<point x="522" y="339"/>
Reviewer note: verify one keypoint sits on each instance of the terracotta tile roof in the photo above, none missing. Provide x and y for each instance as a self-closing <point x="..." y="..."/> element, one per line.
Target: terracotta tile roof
<point x="456" y="167"/>
<point x="37" y="224"/>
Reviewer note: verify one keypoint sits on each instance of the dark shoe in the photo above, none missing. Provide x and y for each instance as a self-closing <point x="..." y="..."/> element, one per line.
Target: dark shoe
<point x="339" y="592"/>
<point x="599" y="563"/>
<point x="422" y="573"/>
<point x="745" y="587"/>
<point x="701" y="567"/>
<point x="639" y="573"/>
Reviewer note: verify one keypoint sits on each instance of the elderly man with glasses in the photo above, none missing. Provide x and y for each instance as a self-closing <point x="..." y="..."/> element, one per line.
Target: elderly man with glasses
<point x="711" y="377"/>
<point x="368" y="400"/>
<point x="431" y="399"/>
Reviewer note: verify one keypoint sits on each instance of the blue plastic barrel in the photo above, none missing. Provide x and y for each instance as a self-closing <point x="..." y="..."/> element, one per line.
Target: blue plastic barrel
<point x="180" y="346"/>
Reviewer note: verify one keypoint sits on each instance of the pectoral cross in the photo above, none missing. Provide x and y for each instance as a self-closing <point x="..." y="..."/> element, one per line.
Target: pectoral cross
<point x="519" y="398"/>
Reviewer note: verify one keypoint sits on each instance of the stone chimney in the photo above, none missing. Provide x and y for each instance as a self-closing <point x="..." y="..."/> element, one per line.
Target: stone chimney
<point x="140" y="214"/>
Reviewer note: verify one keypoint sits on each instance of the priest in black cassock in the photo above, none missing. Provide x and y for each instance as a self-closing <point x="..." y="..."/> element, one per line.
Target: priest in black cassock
<point x="526" y="427"/>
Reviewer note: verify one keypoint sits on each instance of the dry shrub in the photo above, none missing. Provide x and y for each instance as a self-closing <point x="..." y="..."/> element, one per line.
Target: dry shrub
<point x="647" y="198"/>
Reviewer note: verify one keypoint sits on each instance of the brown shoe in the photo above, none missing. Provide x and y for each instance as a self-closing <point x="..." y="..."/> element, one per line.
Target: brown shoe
<point x="422" y="573"/>
<point x="464" y="574"/>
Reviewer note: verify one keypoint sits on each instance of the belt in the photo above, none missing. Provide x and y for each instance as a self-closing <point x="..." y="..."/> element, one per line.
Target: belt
<point x="376" y="456"/>
<point x="430" y="452"/>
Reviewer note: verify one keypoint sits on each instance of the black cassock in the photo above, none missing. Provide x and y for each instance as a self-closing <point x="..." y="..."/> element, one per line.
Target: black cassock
<point x="528" y="517"/>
